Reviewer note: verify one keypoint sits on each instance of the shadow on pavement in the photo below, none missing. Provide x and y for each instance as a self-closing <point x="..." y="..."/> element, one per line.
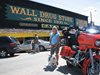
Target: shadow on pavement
<point x="10" y="56"/>
<point x="69" y="71"/>
<point x="48" y="68"/>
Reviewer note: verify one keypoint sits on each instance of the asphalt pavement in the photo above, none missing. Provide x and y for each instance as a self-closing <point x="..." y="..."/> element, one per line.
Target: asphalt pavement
<point x="34" y="64"/>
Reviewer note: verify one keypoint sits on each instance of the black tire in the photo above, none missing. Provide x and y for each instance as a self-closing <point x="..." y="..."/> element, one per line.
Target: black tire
<point x="97" y="68"/>
<point x="68" y="64"/>
<point x="3" y="53"/>
<point x="42" y="48"/>
<point x="12" y="54"/>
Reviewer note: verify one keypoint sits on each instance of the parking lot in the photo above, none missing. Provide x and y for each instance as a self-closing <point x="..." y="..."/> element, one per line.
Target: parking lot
<point x="34" y="64"/>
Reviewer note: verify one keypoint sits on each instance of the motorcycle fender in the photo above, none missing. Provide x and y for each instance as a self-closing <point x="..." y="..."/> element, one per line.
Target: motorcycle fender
<point x="87" y="61"/>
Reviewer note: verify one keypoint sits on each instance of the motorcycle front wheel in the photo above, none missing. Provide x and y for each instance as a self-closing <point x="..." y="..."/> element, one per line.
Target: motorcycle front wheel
<point x="96" y="68"/>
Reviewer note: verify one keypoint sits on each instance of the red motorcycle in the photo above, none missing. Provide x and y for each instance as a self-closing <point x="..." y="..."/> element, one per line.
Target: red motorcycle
<point x="86" y="55"/>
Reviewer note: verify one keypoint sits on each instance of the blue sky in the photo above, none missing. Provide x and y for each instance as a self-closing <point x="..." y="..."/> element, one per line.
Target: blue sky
<point x="79" y="6"/>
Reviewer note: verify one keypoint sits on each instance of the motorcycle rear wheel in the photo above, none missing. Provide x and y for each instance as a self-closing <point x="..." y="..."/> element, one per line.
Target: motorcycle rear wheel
<point x="96" y="68"/>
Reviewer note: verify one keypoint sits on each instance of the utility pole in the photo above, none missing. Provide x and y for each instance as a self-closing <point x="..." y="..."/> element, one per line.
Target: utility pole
<point x="91" y="21"/>
<point x="90" y="17"/>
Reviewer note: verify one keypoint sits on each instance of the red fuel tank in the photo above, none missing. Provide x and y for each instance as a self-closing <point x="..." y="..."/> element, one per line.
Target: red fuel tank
<point x="87" y="40"/>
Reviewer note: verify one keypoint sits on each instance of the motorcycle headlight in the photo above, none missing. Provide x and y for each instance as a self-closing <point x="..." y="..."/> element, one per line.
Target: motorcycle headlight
<point x="98" y="43"/>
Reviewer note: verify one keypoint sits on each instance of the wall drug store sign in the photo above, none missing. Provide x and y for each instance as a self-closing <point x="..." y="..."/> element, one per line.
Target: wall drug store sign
<point x="31" y="15"/>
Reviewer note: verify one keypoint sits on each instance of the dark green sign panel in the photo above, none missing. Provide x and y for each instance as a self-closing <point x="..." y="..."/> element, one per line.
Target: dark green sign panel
<point x="31" y="15"/>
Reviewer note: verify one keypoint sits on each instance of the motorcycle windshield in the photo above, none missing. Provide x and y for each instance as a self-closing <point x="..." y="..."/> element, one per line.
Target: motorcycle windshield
<point x="93" y="31"/>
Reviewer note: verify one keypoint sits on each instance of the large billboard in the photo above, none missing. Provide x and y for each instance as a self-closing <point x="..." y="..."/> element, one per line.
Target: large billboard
<point x="17" y="14"/>
<point x="32" y="15"/>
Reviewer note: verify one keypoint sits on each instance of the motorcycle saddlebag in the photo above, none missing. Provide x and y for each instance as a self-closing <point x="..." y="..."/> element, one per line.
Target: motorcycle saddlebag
<point x="67" y="51"/>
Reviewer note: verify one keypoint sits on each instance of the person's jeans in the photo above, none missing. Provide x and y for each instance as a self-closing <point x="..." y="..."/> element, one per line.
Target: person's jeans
<point x="36" y="47"/>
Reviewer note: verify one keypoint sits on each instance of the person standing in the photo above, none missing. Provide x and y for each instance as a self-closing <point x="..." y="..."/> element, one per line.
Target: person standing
<point x="36" y="43"/>
<point x="54" y="41"/>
